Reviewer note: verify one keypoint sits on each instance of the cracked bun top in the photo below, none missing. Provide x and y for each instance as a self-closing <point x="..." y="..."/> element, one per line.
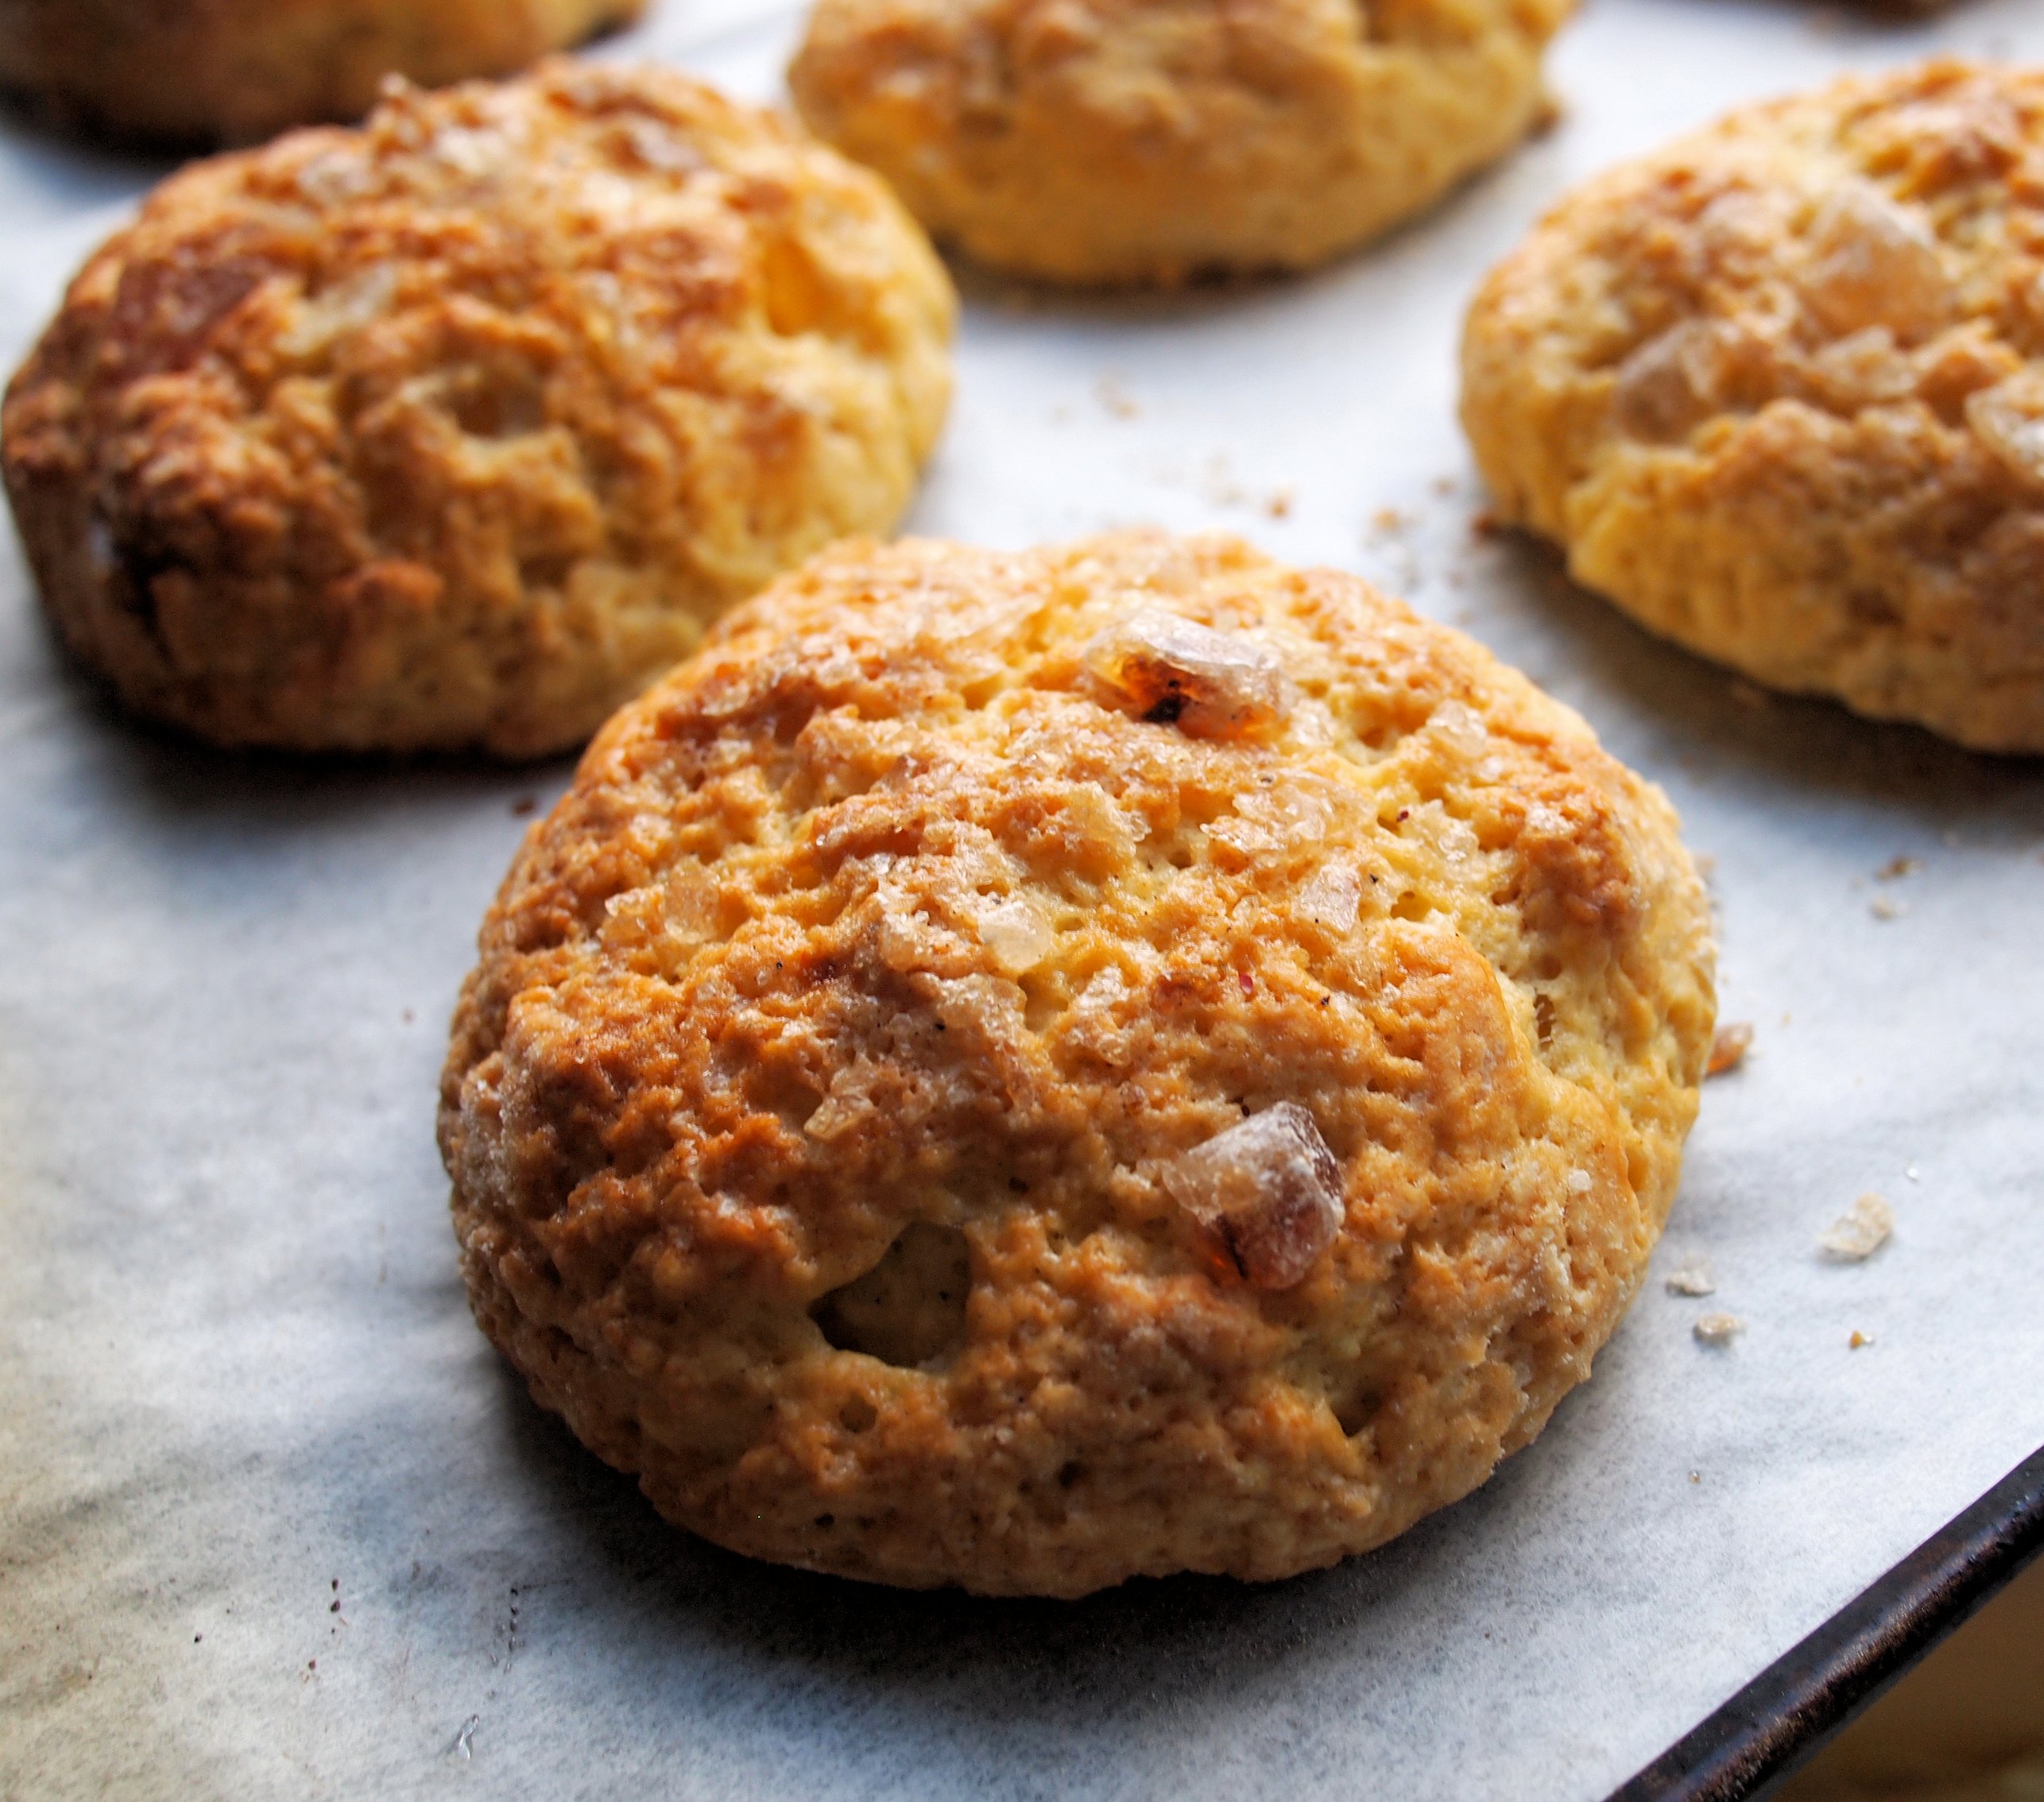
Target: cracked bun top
<point x="234" y="71"/>
<point x="455" y="430"/>
<point x="1131" y="142"/>
<point x="1026" y="1070"/>
<point x="1779" y="391"/>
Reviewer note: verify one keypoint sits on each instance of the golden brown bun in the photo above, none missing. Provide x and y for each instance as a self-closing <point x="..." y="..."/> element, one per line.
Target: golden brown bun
<point x="234" y="71"/>
<point x="1779" y="391"/>
<point x="1120" y="141"/>
<point x="1023" y="1071"/>
<point x="456" y="430"/>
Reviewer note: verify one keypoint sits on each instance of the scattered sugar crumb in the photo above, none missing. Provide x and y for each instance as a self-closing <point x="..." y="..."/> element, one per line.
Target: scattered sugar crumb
<point x="1115" y="398"/>
<point x="1444" y="485"/>
<point x="1910" y="1170"/>
<point x="1897" y="867"/>
<point x="1717" y="1329"/>
<point x="1278" y="504"/>
<point x="1692" y="1277"/>
<point x="1728" y="1049"/>
<point x="1858" y="1340"/>
<point x="1387" y="520"/>
<point x="1881" y="908"/>
<point x="460" y="1748"/>
<point x="1861" y="1231"/>
<point x="1696" y="1476"/>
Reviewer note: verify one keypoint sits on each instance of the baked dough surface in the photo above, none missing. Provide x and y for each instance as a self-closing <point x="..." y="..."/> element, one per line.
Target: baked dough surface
<point x="1778" y="391"/>
<point x="1134" y="141"/>
<point x="234" y="71"/>
<point x="455" y="430"/>
<point x="983" y="1081"/>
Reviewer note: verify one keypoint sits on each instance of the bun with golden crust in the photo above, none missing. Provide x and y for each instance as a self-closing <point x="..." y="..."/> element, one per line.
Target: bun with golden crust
<point x="1025" y="1071"/>
<point x="1777" y="390"/>
<point x="1114" y="142"/>
<point x="457" y="429"/>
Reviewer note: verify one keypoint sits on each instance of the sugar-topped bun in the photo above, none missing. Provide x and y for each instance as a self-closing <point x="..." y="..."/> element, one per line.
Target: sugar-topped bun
<point x="455" y="430"/>
<point x="1778" y="390"/>
<point x="1023" y="1071"/>
<point x="1128" y="141"/>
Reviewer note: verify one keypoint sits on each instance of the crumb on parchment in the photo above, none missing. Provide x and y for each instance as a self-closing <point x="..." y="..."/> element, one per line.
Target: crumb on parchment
<point x="1728" y="1049"/>
<point x="1114" y="398"/>
<point x="1693" y="1276"/>
<point x="1858" y="1233"/>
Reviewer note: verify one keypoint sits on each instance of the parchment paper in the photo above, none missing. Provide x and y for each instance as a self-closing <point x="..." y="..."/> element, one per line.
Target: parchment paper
<point x="273" y="1522"/>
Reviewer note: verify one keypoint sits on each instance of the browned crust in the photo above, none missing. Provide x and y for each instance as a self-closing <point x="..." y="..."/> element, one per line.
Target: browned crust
<point x="1675" y="379"/>
<point x="751" y="1004"/>
<point x="1120" y="141"/>
<point x="455" y="430"/>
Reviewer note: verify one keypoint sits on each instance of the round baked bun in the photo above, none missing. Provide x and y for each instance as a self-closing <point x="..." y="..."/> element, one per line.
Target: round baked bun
<point x="1778" y="390"/>
<point x="456" y="430"/>
<point x="1114" y="142"/>
<point x="1026" y="1071"/>
<point x="236" y="70"/>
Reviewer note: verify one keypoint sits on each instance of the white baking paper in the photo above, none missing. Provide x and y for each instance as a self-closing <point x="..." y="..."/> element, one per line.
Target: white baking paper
<point x="275" y="1523"/>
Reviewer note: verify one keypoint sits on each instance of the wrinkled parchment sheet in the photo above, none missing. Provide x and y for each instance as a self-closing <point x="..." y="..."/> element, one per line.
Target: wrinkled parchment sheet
<point x="275" y="1523"/>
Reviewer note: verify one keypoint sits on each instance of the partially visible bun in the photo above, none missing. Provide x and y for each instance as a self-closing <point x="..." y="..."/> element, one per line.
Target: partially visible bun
<point x="1777" y="390"/>
<point x="233" y="71"/>
<point x="1133" y="141"/>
